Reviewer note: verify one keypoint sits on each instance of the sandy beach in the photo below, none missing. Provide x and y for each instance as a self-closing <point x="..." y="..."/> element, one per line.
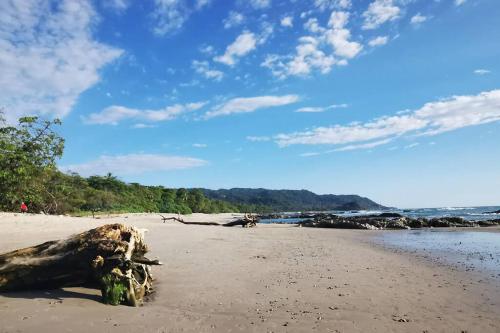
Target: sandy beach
<point x="272" y="278"/>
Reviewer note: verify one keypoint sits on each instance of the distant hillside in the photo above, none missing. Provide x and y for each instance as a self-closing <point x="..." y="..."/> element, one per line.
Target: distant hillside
<point x="292" y="200"/>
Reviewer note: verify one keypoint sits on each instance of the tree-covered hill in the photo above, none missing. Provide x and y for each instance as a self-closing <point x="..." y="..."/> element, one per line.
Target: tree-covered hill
<point x="292" y="200"/>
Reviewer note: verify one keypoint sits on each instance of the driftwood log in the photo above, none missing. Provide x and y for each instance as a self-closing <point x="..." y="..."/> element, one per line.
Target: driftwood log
<point x="248" y="221"/>
<point x="110" y="257"/>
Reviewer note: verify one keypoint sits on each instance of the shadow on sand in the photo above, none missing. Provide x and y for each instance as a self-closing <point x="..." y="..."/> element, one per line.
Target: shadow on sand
<point x="55" y="294"/>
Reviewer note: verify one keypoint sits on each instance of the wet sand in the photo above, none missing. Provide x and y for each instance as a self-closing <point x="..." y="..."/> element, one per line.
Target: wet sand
<point x="273" y="278"/>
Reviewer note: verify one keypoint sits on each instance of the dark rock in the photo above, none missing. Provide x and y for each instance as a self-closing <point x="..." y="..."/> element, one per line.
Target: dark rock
<point x="397" y="224"/>
<point x="418" y="223"/>
<point x="489" y="223"/>
<point x="390" y="221"/>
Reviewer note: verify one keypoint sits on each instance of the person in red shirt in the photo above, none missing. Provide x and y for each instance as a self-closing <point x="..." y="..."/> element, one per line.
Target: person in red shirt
<point x="24" y="208"/>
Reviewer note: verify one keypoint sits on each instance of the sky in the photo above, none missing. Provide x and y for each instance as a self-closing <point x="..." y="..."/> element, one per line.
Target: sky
<point x="395" y="100"/>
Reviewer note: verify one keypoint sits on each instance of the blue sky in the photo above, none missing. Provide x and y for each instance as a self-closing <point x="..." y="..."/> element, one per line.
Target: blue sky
<point x="396" y="100"/>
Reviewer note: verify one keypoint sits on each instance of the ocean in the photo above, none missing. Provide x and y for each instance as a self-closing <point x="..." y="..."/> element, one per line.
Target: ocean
<point x="467" y="213"/>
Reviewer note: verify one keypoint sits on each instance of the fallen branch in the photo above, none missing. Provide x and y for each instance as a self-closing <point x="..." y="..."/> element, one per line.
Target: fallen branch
<point x="179" y="219"/>
<point x="248" y="221"/>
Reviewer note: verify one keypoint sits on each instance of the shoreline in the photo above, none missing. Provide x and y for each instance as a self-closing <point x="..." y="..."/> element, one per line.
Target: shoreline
<point x="275" y="278"/>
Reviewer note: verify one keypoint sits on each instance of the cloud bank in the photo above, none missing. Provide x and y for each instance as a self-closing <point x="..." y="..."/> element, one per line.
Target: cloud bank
<point x="431" y="119"/>
<point x="48" y="56"/>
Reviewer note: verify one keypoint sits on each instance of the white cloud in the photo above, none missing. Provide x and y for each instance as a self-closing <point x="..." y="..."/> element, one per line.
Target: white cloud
<point x="260" y="4"/>
<point x="417" y="19"/>
<point x="133" y="164"/>
<point x="287" y="21"/>
<point x="380" y="128"/>
<point x="203" y="68"/>
<point x="258" y="138"/>
<point x="267" y="30"/>
<point x="207" y="49"/>
<point x="361" y="146"/>
<point x="307" y="58"/>
<point x="332" y="4"/>
<point x="305" y="14"/>
<point x="309" y="154"/>
<point x="119" y="5"/>
<point x="459" y="2"/>
<point x="431" y="119"/>
<point x="313" y="52"/>
<point x="202" y="3"/>
<point x="114" y="114"/>
<point x="378" y="41"/>
<point x="233" y="19"/>
<point x="200" y="145"/>
<point x="170" y="15"/>
<point x="141" y="126"/>
<point x="48" y="56"/>
<point x="482" y="71"/>
<point x="379" y="12"/>
<point x="250" y="104"/>
<point x="368" y="145"/>
<point x="321" y="108"/>
<point x="412" y="145"/>
<point x="338" y="36"/>
<point x="244" y="44"/>
<point x="313" y="26"/>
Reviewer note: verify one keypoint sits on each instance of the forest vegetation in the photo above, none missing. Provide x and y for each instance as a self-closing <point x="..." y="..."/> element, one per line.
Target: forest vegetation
<point x="29" y="152"/>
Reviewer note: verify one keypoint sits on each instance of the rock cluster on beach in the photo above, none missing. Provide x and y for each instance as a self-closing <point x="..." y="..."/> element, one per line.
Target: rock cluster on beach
<point x="390" y="221"/>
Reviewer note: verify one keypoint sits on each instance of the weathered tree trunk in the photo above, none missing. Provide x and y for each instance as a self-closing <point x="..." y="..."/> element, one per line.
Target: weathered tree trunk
<point x="110" y="257"/>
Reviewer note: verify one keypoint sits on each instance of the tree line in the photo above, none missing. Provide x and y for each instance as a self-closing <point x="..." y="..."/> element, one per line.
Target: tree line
<point x="28" y="172"/>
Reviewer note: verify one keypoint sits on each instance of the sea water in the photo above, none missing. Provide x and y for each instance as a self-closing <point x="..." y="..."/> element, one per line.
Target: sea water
<point x="467" y="213"/>
<point x="467" y="250"/>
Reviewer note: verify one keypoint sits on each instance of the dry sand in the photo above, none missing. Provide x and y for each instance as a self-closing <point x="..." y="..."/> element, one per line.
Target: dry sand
<point x="272" y="278"/>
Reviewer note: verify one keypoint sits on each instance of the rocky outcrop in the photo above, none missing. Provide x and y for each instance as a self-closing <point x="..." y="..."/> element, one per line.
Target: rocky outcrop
<point x="391" y="221"/>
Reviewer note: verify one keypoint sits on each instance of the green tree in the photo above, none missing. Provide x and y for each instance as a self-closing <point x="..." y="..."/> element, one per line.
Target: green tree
<point x="28" y="152"/>
<point x="197" y="201"/>
<point x="182" y="196"/>
<point x="98" y="200"/>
